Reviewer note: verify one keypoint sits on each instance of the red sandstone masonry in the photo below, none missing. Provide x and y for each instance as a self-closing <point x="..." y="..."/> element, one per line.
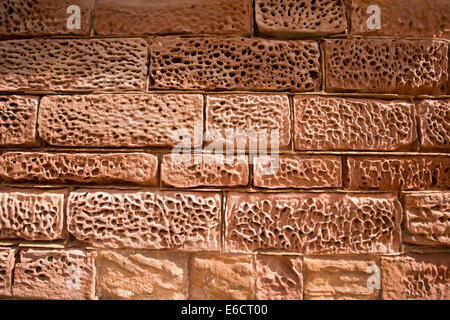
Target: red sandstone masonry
<point x="139" y="168"/>
<point x="334" y="123"/>
<point x="324" y="223"/>
<point x="302" y="171"/>
<point x="136" y="17"/>
<point x="73" y="64"/>
<point x="433" y="117"/>
<point x="31" y="214"/>
<point x="294" y="18"/>
<point x="6" y="265"/>
<point x="120" y="120"/>
<point x="18" y="116"/>
<point x="234" y="64"/>
<point x="386" y="66"/>
<point x="398" y="173"/>
<point x="55" y="274"/>
<point x="187" y="221"/>
<point x="402" y="18"/>
<point x="42" y="17"/>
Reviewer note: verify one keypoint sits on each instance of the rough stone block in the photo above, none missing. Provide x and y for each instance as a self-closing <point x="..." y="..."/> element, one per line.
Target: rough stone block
<point x="6" y="266"/>
<point x="433" y="117"/>
<point x="145" y="219"/>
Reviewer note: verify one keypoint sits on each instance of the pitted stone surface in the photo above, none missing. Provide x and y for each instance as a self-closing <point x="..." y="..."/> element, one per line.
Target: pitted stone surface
<point x="204" y="170"/>
<point x="246" y="121"/>
<point x="433" y="116"/>
<point x="6" y="267"/>
<point x="234" y="63"/>
<point x="42" y="17"/>
<point x="31" y="214"/>
<point x="342" y="278"/>
<point x="313" y="223"/>
<point x="292" y="18"/>
<point x="221" y="277"/>
<point x="142" y="275"/>
<point x="121" y="120"/>
<point x="73" y="64"/>
<point x="398" y="172"/>
<point x="279" y="277"/>
<point x="402" y="18"/>
<point x="333" y="123"/>
<point x="427" y="218"/>
<point x="302" y="171"/>
<point x="416" y="276"/>
<point x="386" y="66"/>
<point x="140" y="168"/>
<point x="137" y="17"/>
<point x="18" y="120"/>
<point x="145" y="219"/>
<point x="55" y="274"/>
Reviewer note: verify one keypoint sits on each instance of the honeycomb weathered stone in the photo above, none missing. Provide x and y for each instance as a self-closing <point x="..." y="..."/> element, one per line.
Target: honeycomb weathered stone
<point x="18" y="116"/>
<point x="341" y="278"/>
<point x="142" y="275"/>
<point x="258" y="114"/>
<point x="416" y="276"/>
<point x="313" y="223"/>
<point x="55" y="274"/>
<point x="290" y="18"/>
<point x="386" y="66"/>
<point x="234" y="63"/>
<point x="398" y="172"/>
<point x="31" y="214"/>
<point x="299" y="171"/>
<point x="211" y="170"/>
<point x="145" y="219"/>
<point x="279" y="277"/>
<point x="6" y="266"/>
<point x="140" y="168"/>
<point x="133" y="120"/>
<point x="221" y="277"/>
<point x="73" y="64"/>
<point x="42" y="17"/>
<point x="137" y="17"/>
<point x="427" y="218"/>
<point x="433" y="117"/>
<point x="333" y="123"/>
<point x="402" y="18"/>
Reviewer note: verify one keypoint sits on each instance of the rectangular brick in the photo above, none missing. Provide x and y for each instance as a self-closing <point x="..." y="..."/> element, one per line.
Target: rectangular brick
<point x="209" y="170"/>
<point x="122" y="120"/>
<point x="6" y="266"/>
<point x="215" y="276"/>
<point x="297" y="171"/>
<point x="313" y="222"/>
<point x="73" y="64"/>
<point x="402" y="18"/>
<point x="18" y="120"/>
<point x="139" y="168"/>
<point x="44" y="17"/>
<point x="145" y="219"/>
<point x="142" y="275"/>
<point x="334" y="123"/>
<point x="293" y="18"/>
<point x="198" y="17"/>
<point x="248" y="121"/>
<point x="341" y="278"/>
<point x="55" y="274"/>
<point x="416" y="277"/>
<point x="234" y="64"/>
<point x="427" y="218"/>
<point x="31" y="214"/>
<point x="386" y="66"/>
<point x="279" y="277"/>
<point x="398" y="172"/>
<point x="433" y="117"/>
